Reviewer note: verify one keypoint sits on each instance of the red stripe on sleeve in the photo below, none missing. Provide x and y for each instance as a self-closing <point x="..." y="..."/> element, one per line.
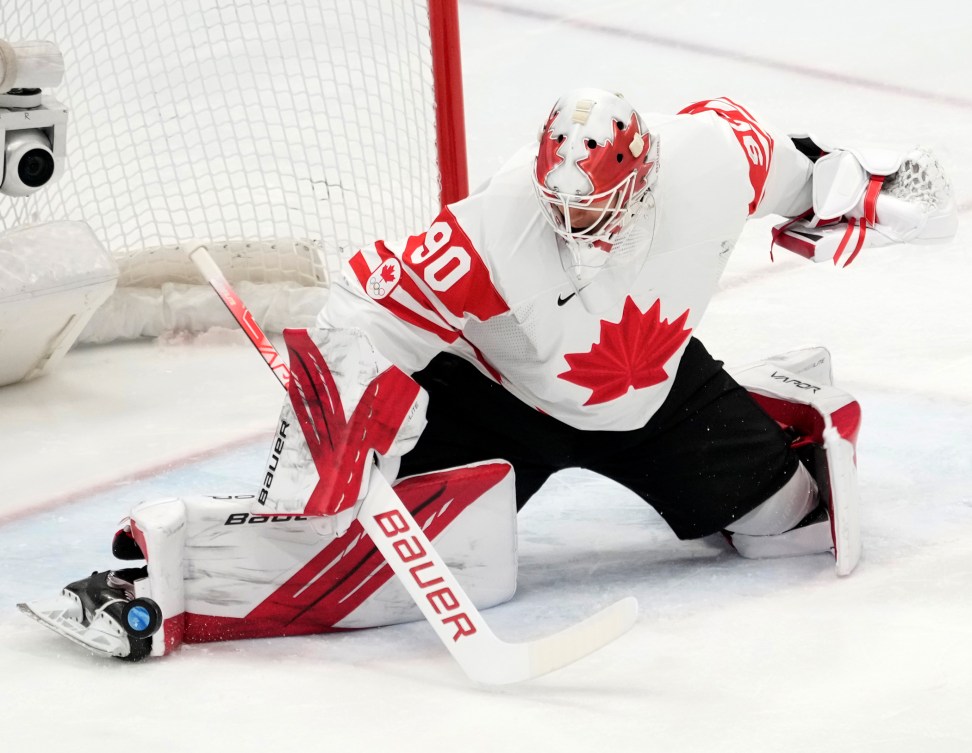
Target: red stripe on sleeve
<point x="756" y="143"/>
<point x="448" y="263"/>
<point x="399" y="294"/>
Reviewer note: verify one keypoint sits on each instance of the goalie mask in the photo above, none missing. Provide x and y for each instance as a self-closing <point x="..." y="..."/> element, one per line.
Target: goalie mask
<point x="595" y="165"/>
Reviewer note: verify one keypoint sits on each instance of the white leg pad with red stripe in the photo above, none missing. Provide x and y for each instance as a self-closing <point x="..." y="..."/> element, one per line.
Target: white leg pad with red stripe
<point x="795" y="390"/>
<point x="160" y="527"/>
<point x="218" y="572"/>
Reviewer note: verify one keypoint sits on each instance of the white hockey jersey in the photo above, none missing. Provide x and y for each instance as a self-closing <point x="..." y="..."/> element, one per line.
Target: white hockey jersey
<point x="485" y="281"/>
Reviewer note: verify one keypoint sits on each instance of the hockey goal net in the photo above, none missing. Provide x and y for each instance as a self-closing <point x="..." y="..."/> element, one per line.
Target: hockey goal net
<point x="280" y="133"/>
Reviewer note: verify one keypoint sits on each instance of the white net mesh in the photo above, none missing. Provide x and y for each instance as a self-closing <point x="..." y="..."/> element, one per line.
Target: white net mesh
<point x="920" y="180"/>
<point x="245" y="124"/>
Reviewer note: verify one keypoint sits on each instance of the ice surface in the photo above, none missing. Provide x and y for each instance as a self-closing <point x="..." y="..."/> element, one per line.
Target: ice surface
<point x="728" y="654"/>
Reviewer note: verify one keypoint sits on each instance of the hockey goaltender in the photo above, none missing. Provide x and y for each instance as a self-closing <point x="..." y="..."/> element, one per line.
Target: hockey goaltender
<point x="548" y="319"/>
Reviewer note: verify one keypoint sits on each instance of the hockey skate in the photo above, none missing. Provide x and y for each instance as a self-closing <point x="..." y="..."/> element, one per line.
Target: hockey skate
<point x="101" y="614"/>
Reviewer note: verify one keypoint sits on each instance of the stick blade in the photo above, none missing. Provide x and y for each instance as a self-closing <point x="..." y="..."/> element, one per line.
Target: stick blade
<point x="525" y="661"/>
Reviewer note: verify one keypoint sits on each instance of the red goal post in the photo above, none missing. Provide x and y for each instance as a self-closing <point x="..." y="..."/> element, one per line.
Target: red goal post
<point x="450" y="121"/>
<point x="280" y="133"/>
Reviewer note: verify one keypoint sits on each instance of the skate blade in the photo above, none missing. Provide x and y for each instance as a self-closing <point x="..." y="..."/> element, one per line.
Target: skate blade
<point x="63" y="615"/>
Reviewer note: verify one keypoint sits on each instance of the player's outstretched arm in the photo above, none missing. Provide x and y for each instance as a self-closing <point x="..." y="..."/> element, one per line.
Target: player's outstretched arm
<point x="840" y="198"/>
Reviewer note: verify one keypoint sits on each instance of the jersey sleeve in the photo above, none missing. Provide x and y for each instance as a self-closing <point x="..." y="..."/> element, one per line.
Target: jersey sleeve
<point x="779" y="175"/>
<point x="414" y="298"/>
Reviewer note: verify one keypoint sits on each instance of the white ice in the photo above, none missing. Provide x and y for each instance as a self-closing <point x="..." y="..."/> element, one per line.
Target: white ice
<point x="728" y="654"/>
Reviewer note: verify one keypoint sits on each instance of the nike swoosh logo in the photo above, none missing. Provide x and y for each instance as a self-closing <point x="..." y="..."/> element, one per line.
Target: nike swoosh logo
<point x="561" y="300"/>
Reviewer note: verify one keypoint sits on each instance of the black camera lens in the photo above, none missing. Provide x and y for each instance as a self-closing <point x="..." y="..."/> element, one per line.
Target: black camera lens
<point x="36" y="168"/>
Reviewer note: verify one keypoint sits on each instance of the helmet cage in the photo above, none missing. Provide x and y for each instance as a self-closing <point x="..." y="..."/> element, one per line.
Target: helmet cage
<point x="617" y="205"/>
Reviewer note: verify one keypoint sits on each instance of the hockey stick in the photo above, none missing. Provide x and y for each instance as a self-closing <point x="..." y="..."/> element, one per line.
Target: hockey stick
<point x="427" y="579"/>
<point x="215" y="277"/>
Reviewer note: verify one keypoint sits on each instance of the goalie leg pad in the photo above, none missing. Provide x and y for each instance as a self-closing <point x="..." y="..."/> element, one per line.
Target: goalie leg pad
<point x="218" y="572"/>
<point x="160" y="529"/>
<point x="277" y="575"/>
<point x="826" y="422"/>
<point x="222" y="573"/>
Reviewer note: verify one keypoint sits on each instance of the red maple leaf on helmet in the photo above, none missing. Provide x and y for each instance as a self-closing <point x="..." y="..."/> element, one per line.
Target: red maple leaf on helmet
<point x="388" y="273"/>
<point x="630" y="354"/>
<point x="607" y="164"/>
<point x="548" y="157"/>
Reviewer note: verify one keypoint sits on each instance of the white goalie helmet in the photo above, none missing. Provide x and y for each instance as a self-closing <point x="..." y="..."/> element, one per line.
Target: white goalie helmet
<point x="595" y="165"/>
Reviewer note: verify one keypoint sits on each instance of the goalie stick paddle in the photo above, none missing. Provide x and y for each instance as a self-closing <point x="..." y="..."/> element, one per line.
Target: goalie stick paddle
<point x="428" y="580"/>
<point x="483" y="657"/>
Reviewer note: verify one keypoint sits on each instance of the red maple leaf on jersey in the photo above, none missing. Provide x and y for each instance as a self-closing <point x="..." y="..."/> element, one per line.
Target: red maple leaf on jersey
<point x="630" y="354"/>
<point x="388" y="273"/>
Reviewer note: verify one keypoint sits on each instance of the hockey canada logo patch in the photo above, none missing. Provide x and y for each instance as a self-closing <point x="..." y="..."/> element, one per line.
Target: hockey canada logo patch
<point x="631" y="353"/>
<point x="384" y="279"/>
